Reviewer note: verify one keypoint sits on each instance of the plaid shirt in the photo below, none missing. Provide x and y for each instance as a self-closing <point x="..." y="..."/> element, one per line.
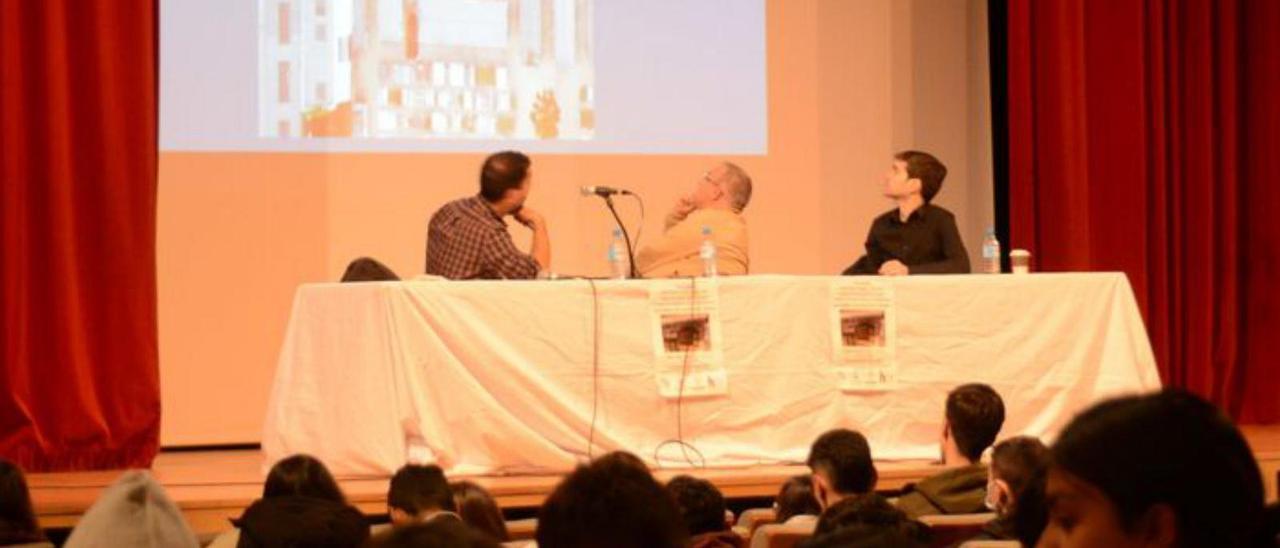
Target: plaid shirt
<point x="466" y="240"/>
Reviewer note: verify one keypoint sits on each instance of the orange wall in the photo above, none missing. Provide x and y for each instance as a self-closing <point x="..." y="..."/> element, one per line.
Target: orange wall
<point x="849" y="82"/>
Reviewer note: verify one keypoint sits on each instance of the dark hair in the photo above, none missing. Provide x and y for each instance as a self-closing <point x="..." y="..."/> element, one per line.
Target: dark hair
<point x="17" y="518"/>
<point x="927" y="168"/>
<point x="603" y="504"/>
<point x="501" y="172"/>
<point x="1020" y="462"/>
<point x="844" y="456"/>
<point x="366" y="269"/>
<point x="302" y="475"/>
<point x="478" y="509"/>
<point x="795" y="498"/>
<point x="415" y="488"/>
<point x="1170" y="448"/>
<point x="700" y="504"/>
<point x="622" y="459"/>
<point x="975" y="414"/>
<point x="449" y="533"/>
<point x="871" y="512"/>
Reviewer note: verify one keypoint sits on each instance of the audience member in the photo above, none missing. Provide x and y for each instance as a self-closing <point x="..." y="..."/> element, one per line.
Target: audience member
<point x="610" y="502"/>
<point x="795" y="501"/>
<point x="702" y="507"/>
<point x="478" y="509"/>
<point x="419" y="494"/>
<point x="1165" y="469"/>
<point x="301" y="506"/>
<point x="974" y="415"/>
<point x="17" y="518"/>
<point x="367" y="269"/>
<point x="841" y="464"/>
<point x="1015" y="485"/>
<point x="440" y="533"/>
<point x="134" y="511"/>
<point x="866" y="520"/>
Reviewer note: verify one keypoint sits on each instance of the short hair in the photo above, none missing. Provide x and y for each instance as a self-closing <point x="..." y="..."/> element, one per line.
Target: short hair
<point x="417" y="488"/>
<point x="795" y="498"/>
<point x="700" y="504"/>
<point x="844" y="456"/>
<point x="18" y="523"/>
<point x="368" y="269"/>
<point x="975" y="414"/>
<point x="437" y="532"/>
<point x="501" y="172"/>
<point x="927" y="168"/>
<point x="1020" y="462"/>
<point x="1170" y="448"/>
<point x="873" y="513"/>
<point x="738" y="186"/>
<point x="304" y="476"/>
<point x="477" y="508"/>
<point x="603" y="504"/>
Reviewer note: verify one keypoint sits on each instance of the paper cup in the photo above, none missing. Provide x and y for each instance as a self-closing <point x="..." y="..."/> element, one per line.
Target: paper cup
<point x="1020" y="260"/>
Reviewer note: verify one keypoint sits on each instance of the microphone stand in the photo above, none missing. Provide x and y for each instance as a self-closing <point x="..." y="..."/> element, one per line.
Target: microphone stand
<point x="631" y="256"/>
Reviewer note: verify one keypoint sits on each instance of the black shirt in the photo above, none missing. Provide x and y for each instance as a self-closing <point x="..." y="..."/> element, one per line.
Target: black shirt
<point x="928" y="243"/>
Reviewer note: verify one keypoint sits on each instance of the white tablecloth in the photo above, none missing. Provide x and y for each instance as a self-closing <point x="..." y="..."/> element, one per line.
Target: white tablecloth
<point x="497" y="377"/>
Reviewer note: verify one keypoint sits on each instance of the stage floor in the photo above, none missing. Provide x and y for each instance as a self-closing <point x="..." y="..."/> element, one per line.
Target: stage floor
<point x="212" y="486"/>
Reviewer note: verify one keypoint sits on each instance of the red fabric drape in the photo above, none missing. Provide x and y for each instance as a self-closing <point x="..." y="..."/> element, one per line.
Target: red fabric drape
<point x="1144" y="137"/>
<point x="80" y="381"/>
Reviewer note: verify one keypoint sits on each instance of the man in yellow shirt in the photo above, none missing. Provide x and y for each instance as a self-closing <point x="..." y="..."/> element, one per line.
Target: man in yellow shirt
<point x="716" y="203"/>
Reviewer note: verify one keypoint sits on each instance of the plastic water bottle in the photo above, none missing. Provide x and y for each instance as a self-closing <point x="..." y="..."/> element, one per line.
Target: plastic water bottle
<point x="991" y="252"/>
<point x="708" y="254"/>
<point x="619" y="262"/>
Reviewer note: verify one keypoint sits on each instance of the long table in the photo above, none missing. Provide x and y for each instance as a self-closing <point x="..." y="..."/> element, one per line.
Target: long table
<point x="521" y="377"/>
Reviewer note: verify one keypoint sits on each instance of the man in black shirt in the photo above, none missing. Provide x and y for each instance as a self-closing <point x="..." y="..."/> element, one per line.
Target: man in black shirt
<point x="916" y="237"/>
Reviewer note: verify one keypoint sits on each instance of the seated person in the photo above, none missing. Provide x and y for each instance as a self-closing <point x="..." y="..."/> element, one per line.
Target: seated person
<point x="440" y="533"/>
<point x="301" y="505"/>
<point x="1015" y="490"/>
<point x="716" y="204"/>
<point x="610" y="502"/>
<point x="916" y="237"/>
<point x="1164" y="469"/>
<point x="795" y="501"/>
<point x="468" y="239"/>
<point x="867" y="520"/>
<point x="842" y="468"/>
<point x="477" y="508"/>
<point x="974" y="416"/>
<point x="368" y="269"/>
<point x="18" y="523"/>
<point x="419" y="494"/>
<point x="134" y="511"/>
<point x="702" y="507"/>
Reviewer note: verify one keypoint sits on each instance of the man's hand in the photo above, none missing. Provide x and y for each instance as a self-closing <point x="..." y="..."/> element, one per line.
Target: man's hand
<point x="894" y="268"/>
<point x="528" y="217"/>
<point x="684" y="206"/>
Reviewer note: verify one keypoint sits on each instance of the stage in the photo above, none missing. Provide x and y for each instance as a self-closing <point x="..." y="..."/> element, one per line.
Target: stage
<point x="212" y="486"/>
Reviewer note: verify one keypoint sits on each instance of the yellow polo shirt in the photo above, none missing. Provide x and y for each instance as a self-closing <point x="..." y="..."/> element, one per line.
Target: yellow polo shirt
<point x="675" y="253"/>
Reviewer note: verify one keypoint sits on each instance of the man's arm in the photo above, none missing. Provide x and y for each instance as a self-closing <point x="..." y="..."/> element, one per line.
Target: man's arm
<point x="955" y="258"/>
<point x="508" y="262"/>
<point x="541" y="248"/>
<point x="871" y="261"/>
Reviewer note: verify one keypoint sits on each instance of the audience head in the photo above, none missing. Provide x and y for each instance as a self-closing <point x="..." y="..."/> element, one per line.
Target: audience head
<point x="841" y="463"/>
<point x="700" y="504"/>
<point x="795" y="498"/>
<point x="866" y="518"/>
<point x="133" y="511"/>
<point x="621" y="459"/>
<point x="975" y="414"/>
<point x="367" y="269"/>
<point x="1165" y="469"/>
<point x="417" y="492"/>
<point x="726" y="186"/>
<point x="1016" y="464"/>
<point x="440" y="533"/>
<point x="505" y="179"/>
<point x="304" y="476"/>
<point x="17" y="518"/>
<point x="914" y="172"/>
<point x="610" y="503"/>
<point x="478" y="509"/>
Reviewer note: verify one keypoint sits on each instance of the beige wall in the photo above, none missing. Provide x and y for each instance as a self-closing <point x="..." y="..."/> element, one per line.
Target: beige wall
<point x="849" y="82"/>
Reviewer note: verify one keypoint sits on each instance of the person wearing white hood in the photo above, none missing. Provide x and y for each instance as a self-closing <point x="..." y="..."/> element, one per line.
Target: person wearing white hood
<point x="134" y="511"/>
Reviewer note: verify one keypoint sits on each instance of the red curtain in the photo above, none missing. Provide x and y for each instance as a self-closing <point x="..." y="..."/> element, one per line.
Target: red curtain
<point x="80" y="381"/>
<point x="1144" y="137"/>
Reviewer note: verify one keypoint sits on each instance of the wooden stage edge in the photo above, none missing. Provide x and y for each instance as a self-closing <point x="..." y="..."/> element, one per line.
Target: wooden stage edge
<point x="212" y="486"/>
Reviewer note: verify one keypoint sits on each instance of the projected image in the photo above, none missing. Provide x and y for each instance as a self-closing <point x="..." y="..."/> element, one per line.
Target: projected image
<point x="422" y="69"/>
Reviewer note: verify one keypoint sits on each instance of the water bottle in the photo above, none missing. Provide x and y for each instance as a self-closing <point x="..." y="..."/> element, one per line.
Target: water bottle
<point x="708" y="253"/>
<point x="991" y="253"/>
<point x="619" y="262"/>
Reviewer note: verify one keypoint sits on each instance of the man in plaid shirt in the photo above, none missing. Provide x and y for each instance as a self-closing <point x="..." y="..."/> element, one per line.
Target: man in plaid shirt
<point x="467" y="239"/>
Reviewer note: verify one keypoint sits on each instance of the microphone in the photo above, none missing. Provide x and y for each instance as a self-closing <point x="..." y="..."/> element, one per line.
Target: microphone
<point x="603" y="191"/>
